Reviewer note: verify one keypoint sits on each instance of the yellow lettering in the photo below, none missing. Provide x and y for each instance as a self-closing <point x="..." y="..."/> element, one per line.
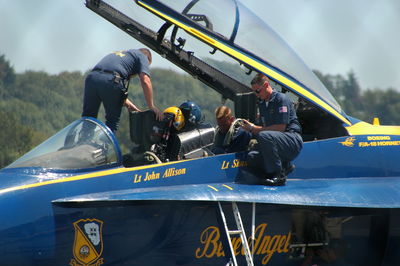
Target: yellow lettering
<point x="239" y="163"/>
<point x="220" y="252"/>
<point x="286" y="248"/>
<point x="151" y="176"/>
<point x="264" y="245"/>
<point x="209" y="238"/>
<point x="259" y="232"/>
<point x="137" y="178"/>
<point x="270" y="248"/>
<point x="237" y="245"/>
<point x="182" y="171"/>
<point x="378" y="138"/>
<point x="281" y="245"/>
<point x="235" y="163"/>
<point x="225" y="165"/>
<point x="174" y="172"/>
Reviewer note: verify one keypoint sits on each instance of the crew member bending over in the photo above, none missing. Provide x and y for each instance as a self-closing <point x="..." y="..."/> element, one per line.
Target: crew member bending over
<point x="108" y="83"/>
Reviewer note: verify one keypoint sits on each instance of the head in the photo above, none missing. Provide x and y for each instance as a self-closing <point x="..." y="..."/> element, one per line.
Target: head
<point x="147" y="53"/>
<point x="224" y="117"/>
<point x="178" y="120"/>
<point x="192" y="112"/>
<point x="261" y="86"/>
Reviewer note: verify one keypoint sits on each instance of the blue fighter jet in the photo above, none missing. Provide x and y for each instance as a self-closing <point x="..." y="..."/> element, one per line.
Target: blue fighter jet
<point x="77" y="200"/>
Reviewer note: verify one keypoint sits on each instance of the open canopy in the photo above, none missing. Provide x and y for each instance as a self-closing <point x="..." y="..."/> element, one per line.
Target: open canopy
<point x="229" y="26"/>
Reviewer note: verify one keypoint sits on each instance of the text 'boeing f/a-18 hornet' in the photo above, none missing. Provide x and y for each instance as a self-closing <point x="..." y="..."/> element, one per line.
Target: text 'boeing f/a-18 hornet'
<point x="76" y="200"/>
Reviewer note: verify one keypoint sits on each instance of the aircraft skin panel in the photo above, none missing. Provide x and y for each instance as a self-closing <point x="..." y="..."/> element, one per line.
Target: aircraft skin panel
<point x="350" y="157"/>
<point x="372" y="155"/>
<point x="250" y="61"/>
<point x="333" y="192"/>
<point x="363" y="128"/>
<point x="96" y="174"/>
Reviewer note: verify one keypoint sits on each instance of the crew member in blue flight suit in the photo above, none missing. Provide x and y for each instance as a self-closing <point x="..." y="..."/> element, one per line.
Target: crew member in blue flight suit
<point x="278" y="136"/>
<point x="107" y="83"/>
<point x="229" y="137"/>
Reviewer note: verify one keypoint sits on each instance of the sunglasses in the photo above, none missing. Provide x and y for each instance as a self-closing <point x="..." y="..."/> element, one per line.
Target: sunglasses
<point x="260" y="87"/>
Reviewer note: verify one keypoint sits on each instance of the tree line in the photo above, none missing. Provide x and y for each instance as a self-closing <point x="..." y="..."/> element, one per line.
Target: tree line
<point x="34" y="104"/>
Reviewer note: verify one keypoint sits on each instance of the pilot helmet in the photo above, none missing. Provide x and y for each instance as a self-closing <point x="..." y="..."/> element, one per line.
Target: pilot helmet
<point x="191" y="111"/>
<point x="178" y="118"/>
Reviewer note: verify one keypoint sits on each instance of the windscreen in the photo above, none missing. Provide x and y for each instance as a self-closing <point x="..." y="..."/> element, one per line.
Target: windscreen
<point x="83" y="144"/>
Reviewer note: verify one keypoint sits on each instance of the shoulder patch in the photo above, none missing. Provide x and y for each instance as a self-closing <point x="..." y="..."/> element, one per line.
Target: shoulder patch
<point x="283" y="109"/>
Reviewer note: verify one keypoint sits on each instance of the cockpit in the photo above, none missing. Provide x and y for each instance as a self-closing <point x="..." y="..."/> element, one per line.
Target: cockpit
<point x="89" y="144"/>
<point x="84" y="144"/>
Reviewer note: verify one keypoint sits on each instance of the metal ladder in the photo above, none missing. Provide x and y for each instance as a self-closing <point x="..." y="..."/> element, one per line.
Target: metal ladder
<point x="239" y="231"/>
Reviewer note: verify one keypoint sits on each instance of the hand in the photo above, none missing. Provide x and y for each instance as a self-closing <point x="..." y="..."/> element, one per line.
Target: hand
<point x="159" y="114"/>
<point x="248" y="126"/>
<point x="131" y="107"/>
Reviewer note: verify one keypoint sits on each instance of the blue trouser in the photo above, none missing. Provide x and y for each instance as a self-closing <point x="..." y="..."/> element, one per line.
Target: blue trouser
<point x="274" y="150"/>
<point x="101" y="88"/>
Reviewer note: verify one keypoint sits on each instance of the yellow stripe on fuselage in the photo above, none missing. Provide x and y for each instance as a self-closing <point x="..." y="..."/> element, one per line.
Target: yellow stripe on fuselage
<point x="84" y="176"/>
<point x="244" y="58"/>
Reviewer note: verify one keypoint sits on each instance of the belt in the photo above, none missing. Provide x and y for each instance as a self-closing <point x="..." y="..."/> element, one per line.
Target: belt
<point x="107" y="71"/>
<point x="117" y="77"/>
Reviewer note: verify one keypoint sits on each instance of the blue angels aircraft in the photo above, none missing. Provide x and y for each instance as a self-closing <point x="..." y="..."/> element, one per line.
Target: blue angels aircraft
<point x="76" y="200"/>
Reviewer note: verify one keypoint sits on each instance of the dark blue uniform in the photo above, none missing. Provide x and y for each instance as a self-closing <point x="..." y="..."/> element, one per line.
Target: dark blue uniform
<point x="277" y="149"/>
<point x="107" y="83"/>
<point x="240" y="141"/>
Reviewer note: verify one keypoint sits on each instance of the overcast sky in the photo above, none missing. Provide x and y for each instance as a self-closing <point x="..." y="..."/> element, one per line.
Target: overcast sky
<point x="333" y="36"/>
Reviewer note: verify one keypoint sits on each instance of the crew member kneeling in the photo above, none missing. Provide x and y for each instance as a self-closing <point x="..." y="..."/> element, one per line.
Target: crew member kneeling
<point x="279" y="139"/>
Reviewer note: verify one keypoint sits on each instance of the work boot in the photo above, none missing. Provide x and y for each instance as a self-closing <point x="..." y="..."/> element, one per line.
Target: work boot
<point x="274" y="180"/>
<point x="287" y="168"/>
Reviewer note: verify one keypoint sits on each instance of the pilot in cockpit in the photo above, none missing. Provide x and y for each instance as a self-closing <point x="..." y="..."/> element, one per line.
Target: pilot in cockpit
<point x="229" y="136"/>
<point x="182" y="134"/>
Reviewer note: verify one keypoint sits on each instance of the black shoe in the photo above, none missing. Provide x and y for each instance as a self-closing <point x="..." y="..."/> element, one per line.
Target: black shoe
<point x="276" y="180"/>
<point x="287" y="168"/>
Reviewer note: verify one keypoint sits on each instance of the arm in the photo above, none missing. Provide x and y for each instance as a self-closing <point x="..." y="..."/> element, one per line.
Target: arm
<point x="147" y="87"/>
<point x="240" y="141"/>
<point x="279" y="119"/>
<point x="248" y="126"/>
<point x="131" y="107"/>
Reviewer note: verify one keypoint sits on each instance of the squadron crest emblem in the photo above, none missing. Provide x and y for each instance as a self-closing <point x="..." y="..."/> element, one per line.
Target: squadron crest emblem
<point x="88" y="243"/>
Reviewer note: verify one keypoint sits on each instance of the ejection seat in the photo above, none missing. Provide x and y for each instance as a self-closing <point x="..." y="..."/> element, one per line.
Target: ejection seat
<point x="156" y="142"/>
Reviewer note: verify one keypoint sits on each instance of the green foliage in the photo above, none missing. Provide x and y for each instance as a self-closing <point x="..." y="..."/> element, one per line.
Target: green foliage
<point x="239" y="72"/>
<point x="7" y="73"/>
<point x="16" y="139"/>
<point x="364" y="105"/>
<point x="34" y="105"/>
<point x="44" y="102"/>
<point x="382" y="104"/>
